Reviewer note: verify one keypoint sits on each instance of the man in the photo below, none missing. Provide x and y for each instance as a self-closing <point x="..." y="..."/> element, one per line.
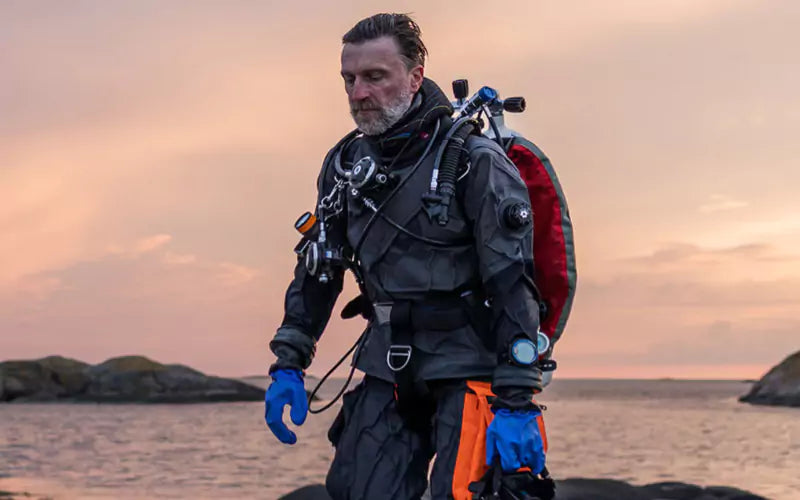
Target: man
<point x="453" y="312"/>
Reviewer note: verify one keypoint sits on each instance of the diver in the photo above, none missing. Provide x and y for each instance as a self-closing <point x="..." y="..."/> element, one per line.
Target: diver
<point x="444" y="264"/>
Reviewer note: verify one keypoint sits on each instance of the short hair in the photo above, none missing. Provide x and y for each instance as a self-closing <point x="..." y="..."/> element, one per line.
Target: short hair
<point x="401" y="27"/>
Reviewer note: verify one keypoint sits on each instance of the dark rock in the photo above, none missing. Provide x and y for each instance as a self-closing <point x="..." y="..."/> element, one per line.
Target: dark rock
<point x="779" y="387"/>
<point x="683" y="491"/>
<point x="595" y="489"/>
<point x="129" y="378"/>
<point x="11" y="495"/>
<point x="16" y="495"/>
<point x="123" y="379"/>
<point x="39" y="380"/>
<point x="728" y="493"/>
<point x="312" y="492"/>
<point x="139" y="379"/>
<point x="69" y="373"/>
<point x="598" y="489"/>
<point x="673" y="490"/>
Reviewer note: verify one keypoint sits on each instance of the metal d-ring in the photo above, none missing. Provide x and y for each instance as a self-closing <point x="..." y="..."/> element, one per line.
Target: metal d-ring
<point x="404" y="350"/>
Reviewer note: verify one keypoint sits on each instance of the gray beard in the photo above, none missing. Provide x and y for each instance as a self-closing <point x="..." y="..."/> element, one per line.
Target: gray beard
<point x="386" y="118"/>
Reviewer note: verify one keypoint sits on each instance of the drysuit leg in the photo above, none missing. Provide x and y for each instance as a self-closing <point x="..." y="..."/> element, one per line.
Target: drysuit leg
<point x="462" y="416"/>
<point x="377" y="455"/>
<point x="459" y="438"/>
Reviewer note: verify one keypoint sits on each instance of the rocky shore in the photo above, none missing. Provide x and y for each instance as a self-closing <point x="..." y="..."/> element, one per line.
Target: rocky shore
<point x="127" y="379"/>
<point x="567" y="489"/>
<point x="597" y="489"/>
<point x="13" y="495"/>
<point x="779" y="387"/>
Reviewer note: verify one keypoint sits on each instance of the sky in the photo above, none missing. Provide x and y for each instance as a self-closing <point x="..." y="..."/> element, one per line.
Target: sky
<point x="155" y="155"/>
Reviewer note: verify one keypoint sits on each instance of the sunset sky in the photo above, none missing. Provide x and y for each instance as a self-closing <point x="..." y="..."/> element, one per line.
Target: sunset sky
<point x="154" y="156"/>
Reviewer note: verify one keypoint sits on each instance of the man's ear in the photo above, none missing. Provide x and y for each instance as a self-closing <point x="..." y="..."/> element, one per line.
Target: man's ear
<point x="417" y="75"/>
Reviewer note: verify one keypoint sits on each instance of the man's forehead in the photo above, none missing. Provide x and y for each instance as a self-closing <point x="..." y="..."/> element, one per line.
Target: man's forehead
<point x="380" y="52"/>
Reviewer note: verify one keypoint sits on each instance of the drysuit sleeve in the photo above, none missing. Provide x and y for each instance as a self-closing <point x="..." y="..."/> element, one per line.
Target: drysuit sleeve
<point x="497" y="205"/>
<point x="309" y="303"/>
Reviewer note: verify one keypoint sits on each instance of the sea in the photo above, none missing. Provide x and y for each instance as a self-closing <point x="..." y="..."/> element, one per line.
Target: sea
<point x="640" y="431"/>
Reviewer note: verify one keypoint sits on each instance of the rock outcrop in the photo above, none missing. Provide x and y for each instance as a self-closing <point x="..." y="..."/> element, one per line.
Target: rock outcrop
<point x="19" y="495"/>
<point x="779" y="387"/>
<point x="44" y="379"/>
<point x="133" y="379"/>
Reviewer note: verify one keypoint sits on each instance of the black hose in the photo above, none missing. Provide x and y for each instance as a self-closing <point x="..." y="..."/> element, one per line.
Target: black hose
<point x="343" y="145"/>
<point x="495" y="130"/>
<point x="448" y="168"/>
<point x="330" y="372"/>
<point x="430" y="241"/>
<point x="453" y="129"/>
<point x="397" y="188"/>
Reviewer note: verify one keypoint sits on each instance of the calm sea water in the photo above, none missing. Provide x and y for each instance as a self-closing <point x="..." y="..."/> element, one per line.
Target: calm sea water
<point x="638" y="431"/>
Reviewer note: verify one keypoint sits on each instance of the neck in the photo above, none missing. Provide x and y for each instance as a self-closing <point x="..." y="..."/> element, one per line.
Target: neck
<point x="428" y="105"/>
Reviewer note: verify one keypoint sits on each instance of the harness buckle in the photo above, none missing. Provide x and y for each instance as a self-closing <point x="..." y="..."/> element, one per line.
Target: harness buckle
<point x="398" y="351"/>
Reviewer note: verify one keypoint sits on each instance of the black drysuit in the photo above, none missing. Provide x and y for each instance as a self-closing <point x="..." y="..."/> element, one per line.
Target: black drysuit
<point x="458" y="294"/>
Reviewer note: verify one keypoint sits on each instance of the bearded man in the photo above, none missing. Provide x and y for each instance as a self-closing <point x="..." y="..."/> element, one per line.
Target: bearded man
<point x="449" y="353"/>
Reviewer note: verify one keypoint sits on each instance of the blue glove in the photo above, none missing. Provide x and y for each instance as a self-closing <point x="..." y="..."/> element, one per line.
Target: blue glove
<point x="514" y="438"/>
<point x="286" y="389"/>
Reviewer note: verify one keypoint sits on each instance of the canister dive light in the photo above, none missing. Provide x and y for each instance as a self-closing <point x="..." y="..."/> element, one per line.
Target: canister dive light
<point x="308" y="226"/>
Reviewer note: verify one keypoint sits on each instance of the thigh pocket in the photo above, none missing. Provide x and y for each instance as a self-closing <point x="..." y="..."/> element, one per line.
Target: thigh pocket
<point x="471" y="458"/>
<point x="349" y="400"/>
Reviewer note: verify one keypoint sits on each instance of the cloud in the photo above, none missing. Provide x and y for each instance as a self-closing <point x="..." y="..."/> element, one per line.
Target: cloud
<point x="721" y="202"/>
<point x="151" y="243"/>
<point x="687" y="253"/>
<point x="146" y="299"/>
<point x="179" y="259"/>
<point x="673" y="308"/>
<point x="235" y="274"/>
<point x="724" y="267"/>
<point x="41" y="223"/>
<point x="34" y="288"/>
<point x="146" y="265"/>
<point x="724" y="342"/>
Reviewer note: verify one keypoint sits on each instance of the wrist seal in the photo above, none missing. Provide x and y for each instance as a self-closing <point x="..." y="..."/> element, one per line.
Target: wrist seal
<point x="293" y="347"/>
<point x="517" y="376"/>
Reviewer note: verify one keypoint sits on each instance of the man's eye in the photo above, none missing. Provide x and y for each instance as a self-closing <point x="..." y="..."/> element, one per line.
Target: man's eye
<point x="375" y="76"/>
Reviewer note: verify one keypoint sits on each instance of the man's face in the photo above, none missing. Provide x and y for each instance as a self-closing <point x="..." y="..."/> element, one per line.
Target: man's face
<point x="379" y="85"/>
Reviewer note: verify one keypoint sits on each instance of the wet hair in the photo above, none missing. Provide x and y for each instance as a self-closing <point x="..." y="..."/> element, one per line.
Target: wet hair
<point x="401" y="27"/>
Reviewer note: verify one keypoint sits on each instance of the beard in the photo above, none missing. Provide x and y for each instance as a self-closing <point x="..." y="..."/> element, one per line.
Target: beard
<point x="379" y="119"/>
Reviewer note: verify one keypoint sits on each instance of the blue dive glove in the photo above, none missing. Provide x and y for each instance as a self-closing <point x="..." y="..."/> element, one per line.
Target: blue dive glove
<point x="514" y="438"/>
<point x="286" y="389"/>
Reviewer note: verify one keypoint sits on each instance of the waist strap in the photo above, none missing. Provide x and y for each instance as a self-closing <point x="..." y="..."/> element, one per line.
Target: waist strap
<point x="428" y="316"/>
<point x="405" y="318"/>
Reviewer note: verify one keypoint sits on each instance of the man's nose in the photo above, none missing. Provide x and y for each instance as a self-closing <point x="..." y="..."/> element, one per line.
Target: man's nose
<point x="360" y="90"/>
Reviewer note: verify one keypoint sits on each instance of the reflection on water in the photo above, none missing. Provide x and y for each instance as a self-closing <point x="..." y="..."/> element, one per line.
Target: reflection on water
<point x="639" y="431"/>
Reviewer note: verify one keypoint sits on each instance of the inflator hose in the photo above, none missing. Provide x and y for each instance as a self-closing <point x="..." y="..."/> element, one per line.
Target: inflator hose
<point x="448" y="169"/>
